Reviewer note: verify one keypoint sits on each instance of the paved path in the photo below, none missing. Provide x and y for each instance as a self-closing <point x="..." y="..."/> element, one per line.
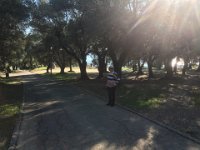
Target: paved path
<point x="59" y="116"/>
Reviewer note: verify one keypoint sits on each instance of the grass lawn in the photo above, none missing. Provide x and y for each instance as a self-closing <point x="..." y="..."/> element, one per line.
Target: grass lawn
<point x="11" y="94"/>
<point x="67" y="76"/>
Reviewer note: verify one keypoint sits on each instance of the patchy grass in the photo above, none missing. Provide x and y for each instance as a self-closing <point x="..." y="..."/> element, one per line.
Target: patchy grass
<point x="11" y="95"/>
<point x="10" y="81"/>
<point x="39" y="69"/>
<point x="140" y="95"/>
<point x="196" y="100"/>
<point x="195" y="97"/>
<point x="67" y="76"/>
<point x="127" y="69"/>
<point x="9" y="110"/>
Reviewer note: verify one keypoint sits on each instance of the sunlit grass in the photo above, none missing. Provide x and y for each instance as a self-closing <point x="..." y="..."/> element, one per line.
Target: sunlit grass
<point x="40" y="68"/>
<point x="133" y="96"/>
<point x="150" y="103"/>
<point x="127" y="69"/>
<point x="9" y="110"/>
<point x="141" y="96"/>
<point x="10" y="81"/>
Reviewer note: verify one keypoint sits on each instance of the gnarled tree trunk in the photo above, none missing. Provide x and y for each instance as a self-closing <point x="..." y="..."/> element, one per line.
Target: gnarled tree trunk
<point x="185" y="67"/>
<point x="168" y="67"/>
<point x="102" y="66"/>
<point x="83" y="65"/>
<point x="198" y="69"/>
<point x="118" y="68"/>
<point x="140" y="67"/>
<point x="151" y="75"/>
<point x="70" y="65"/>
<point x="7" y="72"/>
<point x="62" y="69"/>
<point x="48" y="67"/>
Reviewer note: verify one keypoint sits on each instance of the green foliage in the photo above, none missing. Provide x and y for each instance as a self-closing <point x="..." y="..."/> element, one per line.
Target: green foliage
<point x="12" y="14"/>
<point x="137" y="31"/>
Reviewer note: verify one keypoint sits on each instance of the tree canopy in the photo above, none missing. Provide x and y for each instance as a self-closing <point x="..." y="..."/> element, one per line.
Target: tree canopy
<point x="150" y="31"/>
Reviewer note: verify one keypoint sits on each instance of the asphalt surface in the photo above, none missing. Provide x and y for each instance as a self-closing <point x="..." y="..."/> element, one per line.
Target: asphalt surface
<point x="60" y="116"/>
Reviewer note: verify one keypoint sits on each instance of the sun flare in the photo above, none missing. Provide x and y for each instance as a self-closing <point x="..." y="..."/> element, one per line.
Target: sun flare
<point x="179" y="13"/>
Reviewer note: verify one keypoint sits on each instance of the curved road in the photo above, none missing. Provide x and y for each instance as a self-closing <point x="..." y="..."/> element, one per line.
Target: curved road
<point x="59" y="116"/>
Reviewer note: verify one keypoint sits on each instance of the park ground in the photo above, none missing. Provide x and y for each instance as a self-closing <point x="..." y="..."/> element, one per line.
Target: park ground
<point x="11" y="96"/>
<point x="174" y="102"/>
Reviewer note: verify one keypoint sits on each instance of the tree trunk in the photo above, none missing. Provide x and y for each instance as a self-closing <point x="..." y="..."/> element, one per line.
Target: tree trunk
<point x="169" y="69"/>
<point x="198" y="69"/>
<point x="70" y="65"/>
<point x="140" y="67"/>
<point x="62" y="69"/>
<point x="101" y="71"/>
<point x="118" y="68"/>
<point x="48" y="67"/>
<point x="102" y="66"/>
<point x="184" y="70"/>
<point x="82" y="66"/>
<point x="7" y="72"/>
<point x="105" y="68"/>
<point x="175" y="68"/>
<point x="159" y="66"/>
<point x="150" y="69"/>
<point x="106" y="64"/>
<point x="7" y="75"/>
<point x="31" y="63"/>
<point x="118" y="61"/>
<point x="185" y="67"/>
<point x="134" y="67"/>
<point x="190" y="66"/>
<point x="14" y="67"/>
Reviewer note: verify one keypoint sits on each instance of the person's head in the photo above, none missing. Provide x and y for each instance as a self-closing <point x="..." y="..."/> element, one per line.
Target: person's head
<point x="111" y="69"/>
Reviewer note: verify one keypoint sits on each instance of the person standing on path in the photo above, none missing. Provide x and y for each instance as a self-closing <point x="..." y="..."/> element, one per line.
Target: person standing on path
<point x="111" y="84"/>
